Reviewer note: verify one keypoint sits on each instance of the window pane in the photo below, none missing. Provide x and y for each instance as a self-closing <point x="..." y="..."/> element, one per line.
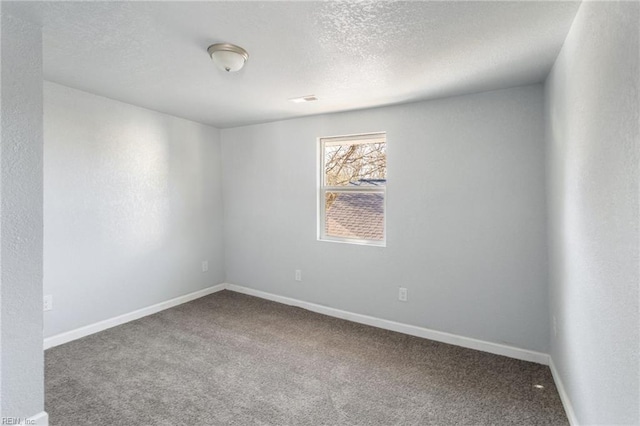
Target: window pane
<point x="357" y="215"/>
<point x="361" y="164"/>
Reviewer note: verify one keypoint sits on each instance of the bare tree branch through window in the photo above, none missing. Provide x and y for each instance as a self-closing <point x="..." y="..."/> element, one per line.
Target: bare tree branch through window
<point x="355" y="164"/>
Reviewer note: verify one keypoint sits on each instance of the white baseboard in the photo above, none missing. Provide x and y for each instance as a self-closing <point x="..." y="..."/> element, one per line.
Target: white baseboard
<point x="452" y="339"/>
<point x="564" y="396"/>
<point x="40" y="419"/>
<point x="78" y="333"/>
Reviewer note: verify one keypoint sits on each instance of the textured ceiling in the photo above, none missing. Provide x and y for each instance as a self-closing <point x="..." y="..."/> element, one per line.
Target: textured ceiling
<point x="350" y="54"/>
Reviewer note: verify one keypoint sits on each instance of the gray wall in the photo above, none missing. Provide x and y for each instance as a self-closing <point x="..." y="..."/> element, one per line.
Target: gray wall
<point x="21" y="356"/>
<point x="593" y="141"/>
<point x="466" y="231"/>
<point x="132" y="205"/>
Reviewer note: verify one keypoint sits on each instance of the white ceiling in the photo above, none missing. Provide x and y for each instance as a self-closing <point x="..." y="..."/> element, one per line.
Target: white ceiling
<point x="350" y="54"/>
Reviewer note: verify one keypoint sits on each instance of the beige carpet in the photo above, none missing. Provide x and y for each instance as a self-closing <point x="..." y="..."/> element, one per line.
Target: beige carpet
<point x="231" y="359"/>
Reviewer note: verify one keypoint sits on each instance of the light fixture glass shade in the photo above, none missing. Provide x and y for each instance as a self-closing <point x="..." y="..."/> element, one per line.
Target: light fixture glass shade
<point x="228" y="57"/>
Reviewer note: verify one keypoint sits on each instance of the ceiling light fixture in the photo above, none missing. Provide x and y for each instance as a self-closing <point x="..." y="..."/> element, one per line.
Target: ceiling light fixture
<point x="228" y="57"/>
<point x="308" y="98"/>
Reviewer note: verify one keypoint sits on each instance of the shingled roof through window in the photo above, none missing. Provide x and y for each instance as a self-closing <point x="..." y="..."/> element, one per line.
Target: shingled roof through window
<point x="357" y="214"/>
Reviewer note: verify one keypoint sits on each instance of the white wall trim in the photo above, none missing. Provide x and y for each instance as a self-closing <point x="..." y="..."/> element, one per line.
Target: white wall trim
<point x="40" y="419"/>
<point x="564" y="396"/>
<point x="426" y="333"/>
<point x="78" y="333"/>
<point x="452" y="339"/>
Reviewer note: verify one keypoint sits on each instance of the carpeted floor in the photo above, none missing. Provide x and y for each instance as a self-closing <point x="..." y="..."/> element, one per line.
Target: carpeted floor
<point x="232" y="359"/>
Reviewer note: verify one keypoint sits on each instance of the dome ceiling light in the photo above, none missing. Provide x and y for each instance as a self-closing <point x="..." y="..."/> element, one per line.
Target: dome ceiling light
<point x="228" y="57"/>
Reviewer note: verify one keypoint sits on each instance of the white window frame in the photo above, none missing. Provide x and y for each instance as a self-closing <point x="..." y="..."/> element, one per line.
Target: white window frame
<point x="323" y="189"/>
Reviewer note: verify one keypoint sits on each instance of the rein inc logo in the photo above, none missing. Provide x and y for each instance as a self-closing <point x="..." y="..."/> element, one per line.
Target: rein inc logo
<point x="16" y="421"/>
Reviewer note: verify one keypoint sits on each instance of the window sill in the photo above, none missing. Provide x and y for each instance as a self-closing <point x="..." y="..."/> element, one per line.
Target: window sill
<point x="353" y="241"/>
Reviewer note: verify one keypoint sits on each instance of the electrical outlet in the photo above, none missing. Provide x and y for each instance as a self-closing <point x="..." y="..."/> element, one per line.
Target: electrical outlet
<point x="298" y="275"/>
<point x="555" y="327"/>
<point x="402" y="294"/>
<point x="205" y="265"/>
<point x="47" y="302"/>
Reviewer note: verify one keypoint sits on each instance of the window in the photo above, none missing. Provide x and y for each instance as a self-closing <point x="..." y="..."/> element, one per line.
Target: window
<point x="353" y="180"/>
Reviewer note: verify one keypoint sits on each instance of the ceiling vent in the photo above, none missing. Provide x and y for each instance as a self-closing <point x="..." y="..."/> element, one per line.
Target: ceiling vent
<point x="308" y="98"/>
